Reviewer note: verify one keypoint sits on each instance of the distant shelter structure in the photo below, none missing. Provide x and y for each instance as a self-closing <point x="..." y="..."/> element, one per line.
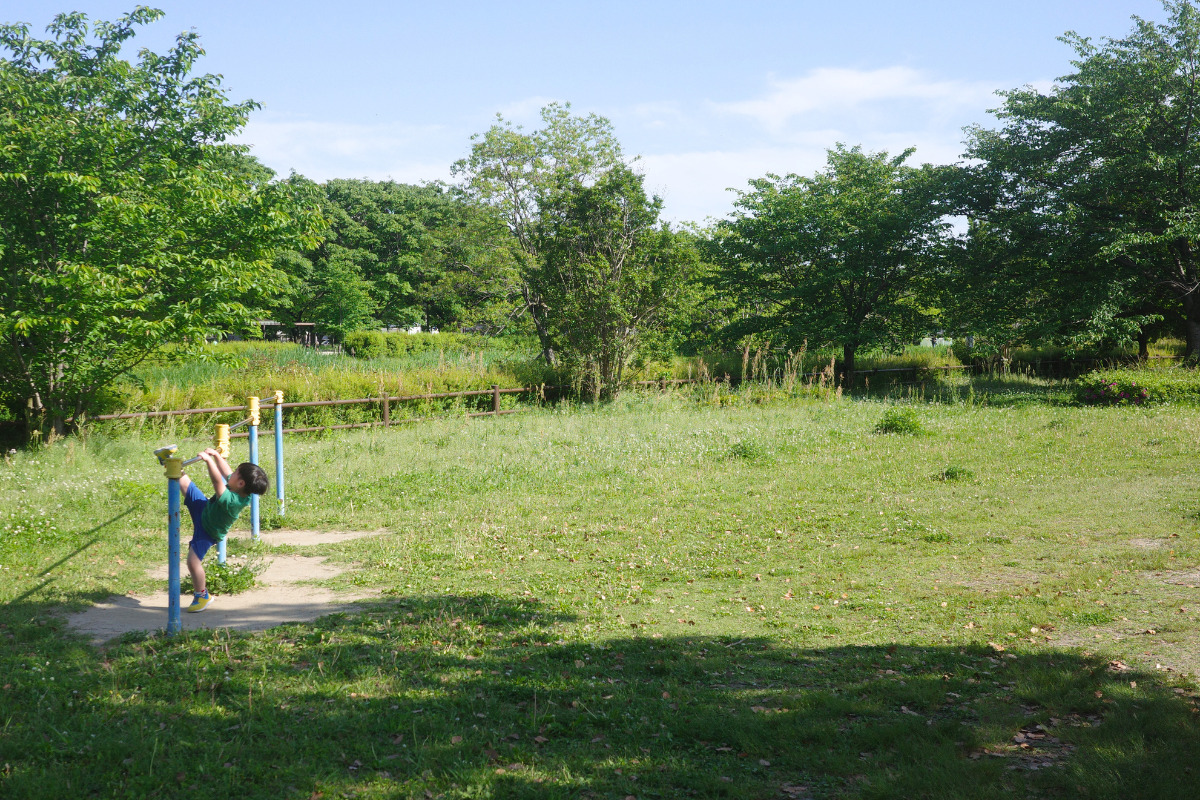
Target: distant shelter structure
<point x="304" y="333"/>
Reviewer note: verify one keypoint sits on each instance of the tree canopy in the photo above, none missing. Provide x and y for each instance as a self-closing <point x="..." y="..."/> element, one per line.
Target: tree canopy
<point x="517" y="172"/>
<point x="846" y="257"/>
<point x="127" y="222"/>
<point x="1090" y="187"/>
<point x="610" y="273"/>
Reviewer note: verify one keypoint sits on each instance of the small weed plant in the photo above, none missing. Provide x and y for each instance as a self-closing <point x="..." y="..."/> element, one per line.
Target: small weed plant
<point x="902" y="420"/>
<point x="232" y="577"/>
<point x="953" y="473"/>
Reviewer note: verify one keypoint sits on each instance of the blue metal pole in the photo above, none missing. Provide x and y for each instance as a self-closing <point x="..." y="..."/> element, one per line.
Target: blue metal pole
<point x="254" y="420"/>
<point x="174" y="471"/>
<point x="221" y="443"/>
<point x="279" y="450"/>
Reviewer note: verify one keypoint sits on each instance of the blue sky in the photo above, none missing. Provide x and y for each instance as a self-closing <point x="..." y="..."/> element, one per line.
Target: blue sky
<point x="709" y="94"/>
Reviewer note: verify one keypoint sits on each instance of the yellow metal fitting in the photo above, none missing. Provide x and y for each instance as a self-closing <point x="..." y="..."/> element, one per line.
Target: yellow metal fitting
<point x="221" y="439"/>
<point x="173" y="467"/>
<point x="278" y="397"/>
<point x="252" y="407"/>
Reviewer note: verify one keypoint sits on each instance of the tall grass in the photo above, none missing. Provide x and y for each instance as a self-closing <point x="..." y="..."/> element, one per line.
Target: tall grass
<point x="236" y="370"/>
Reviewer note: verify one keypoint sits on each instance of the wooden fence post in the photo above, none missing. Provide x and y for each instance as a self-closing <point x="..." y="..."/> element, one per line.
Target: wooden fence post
<point x="495" y="398"/>
<point x="387" y="416"/>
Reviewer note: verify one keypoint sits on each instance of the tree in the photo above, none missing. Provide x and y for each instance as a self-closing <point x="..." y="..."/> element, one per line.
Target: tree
<point x="126" y="221"/>
<point x="847" y="257"/>
<point x="516" y="172"/>
<point x="401" y="255"/>
<point x="610" y="272"/>
<point x="1092" y="185"/>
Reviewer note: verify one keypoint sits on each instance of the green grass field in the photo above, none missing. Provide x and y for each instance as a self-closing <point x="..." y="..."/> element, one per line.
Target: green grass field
<point x="669" y="596"/>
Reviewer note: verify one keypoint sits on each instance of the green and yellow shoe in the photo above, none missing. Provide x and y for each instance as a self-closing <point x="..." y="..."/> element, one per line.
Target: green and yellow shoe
<point x="200" y="602"/>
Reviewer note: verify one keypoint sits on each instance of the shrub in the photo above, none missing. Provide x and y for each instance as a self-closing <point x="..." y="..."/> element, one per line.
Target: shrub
<point x="900" y="419"/>
<point x="1133" y="387"/>
<point x="397" y="344"/>
<point x="365" y="344"/>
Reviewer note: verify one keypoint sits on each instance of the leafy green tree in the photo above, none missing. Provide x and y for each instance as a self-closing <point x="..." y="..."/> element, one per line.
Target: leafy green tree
<point x="610" y="273"/>
<point x="399" y="255"/>
<point x="1090" y="187"/>
<point x="847" y="257"/>
<point x="516" y="172"/>
<point x="126" y="222"/>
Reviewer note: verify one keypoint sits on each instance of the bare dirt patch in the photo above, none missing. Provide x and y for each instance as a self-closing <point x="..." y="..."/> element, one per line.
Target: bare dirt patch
<point x="307" y="538"/>
<point x="1148" y="544"/>
<point x="1189" y="578"/>
<point x="283" y="595"/>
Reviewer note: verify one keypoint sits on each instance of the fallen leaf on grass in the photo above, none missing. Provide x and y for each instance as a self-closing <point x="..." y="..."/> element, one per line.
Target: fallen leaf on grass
<point x="455" y="739"/>
<point x="540" y="739"/>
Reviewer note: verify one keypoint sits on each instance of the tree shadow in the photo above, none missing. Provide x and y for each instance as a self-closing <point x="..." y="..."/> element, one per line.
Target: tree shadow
<point x="48" y="572"/>
<point x="991" y="390"/>
<point x="482" y="696"/>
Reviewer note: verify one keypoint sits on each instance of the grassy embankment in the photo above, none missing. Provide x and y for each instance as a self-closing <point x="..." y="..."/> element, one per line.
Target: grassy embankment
<point x="673" y="595"/>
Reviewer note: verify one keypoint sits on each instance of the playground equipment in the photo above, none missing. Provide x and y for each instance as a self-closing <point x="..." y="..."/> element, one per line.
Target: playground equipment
<point x="173" y="469"/>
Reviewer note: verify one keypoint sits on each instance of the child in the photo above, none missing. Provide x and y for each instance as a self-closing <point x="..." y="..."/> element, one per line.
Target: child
<point x="213" y="516"/>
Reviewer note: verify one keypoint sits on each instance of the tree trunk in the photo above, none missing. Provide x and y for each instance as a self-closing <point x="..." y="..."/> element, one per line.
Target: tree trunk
<point x="848" y="351"/>
<point x="537" y="312"/>
<point x="1191" y="309"/>
<point x="1143" y="344"/>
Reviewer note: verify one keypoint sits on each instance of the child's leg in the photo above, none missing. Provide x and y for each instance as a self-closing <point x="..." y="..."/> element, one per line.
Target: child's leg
<point x="196" y="569"/>
<point x="184" y="483"/>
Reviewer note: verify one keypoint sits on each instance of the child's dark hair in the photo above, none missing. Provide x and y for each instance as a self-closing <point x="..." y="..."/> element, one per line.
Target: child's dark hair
<point x="254" y="476"/>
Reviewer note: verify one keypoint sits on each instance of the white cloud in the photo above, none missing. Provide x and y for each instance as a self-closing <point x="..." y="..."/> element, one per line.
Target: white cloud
<point x="380" y="151"/>
<point x="832" y="90"/>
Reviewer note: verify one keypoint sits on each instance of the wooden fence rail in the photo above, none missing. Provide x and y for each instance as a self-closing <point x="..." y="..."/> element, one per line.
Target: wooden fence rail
<point x="384" y="401"/>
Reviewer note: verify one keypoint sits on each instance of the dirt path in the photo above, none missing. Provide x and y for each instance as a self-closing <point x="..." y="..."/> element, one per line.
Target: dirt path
<point x="282" y="596"/>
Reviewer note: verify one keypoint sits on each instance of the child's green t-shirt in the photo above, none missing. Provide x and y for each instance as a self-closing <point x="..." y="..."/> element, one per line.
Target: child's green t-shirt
<point x="221" y="512"/>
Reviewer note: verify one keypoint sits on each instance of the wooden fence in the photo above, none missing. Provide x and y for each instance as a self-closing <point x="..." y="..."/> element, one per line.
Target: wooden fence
<point x="383" y="401"/>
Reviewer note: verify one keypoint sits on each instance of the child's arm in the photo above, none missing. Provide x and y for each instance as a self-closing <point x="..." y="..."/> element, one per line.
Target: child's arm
<point x="222" y="464"/>
<point x="211" y="460"/>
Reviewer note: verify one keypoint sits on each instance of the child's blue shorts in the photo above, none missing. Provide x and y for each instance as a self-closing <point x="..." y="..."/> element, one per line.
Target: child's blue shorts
<point x="195" y="501"/>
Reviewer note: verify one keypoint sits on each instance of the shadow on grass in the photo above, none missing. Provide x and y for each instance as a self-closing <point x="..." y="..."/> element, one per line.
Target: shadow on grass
<point x="48" y="572"/>
<point x="996" y="391"/>
<point x="480" y="696"/>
